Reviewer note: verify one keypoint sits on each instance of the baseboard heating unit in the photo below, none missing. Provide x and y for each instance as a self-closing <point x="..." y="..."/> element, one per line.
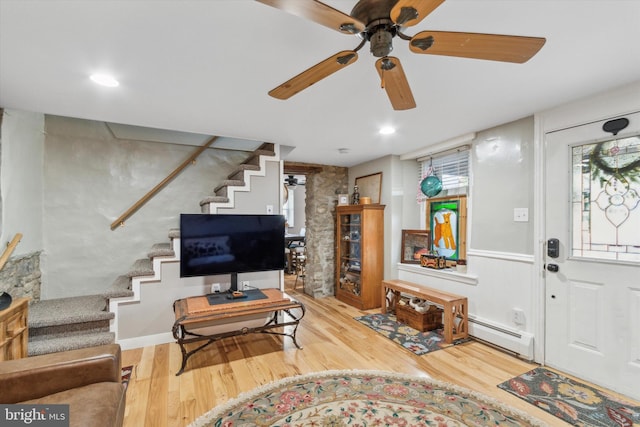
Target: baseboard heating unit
<point x="519" y="342"/>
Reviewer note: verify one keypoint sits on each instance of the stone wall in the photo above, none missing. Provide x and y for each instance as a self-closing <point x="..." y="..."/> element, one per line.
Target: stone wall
<point x="322" y="190"/>
<point x="21" y="276"/>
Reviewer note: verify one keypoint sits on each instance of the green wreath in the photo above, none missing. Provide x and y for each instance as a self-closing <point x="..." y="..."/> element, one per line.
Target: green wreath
<point x="630" y="171"/>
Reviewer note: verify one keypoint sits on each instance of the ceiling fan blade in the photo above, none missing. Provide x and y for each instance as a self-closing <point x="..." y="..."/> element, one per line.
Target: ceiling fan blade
<point x="314" y="74"/>
<point x="395" y="83"/>
<point x="407" y="13"/>
<point x="493" y="47"/>
<point x="320" y="13"/>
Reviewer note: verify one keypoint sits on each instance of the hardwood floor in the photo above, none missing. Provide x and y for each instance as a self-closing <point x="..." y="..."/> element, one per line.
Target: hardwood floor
<point x="330" y="338"/>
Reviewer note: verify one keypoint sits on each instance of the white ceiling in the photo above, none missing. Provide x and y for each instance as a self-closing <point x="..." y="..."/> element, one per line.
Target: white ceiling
<point x="206" y="67"/>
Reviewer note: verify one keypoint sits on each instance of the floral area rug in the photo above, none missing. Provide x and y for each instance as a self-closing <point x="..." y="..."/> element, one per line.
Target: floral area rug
<point x="362" y="399"/>
<point x="572" y="401"/>
<point x="418" y="342"/>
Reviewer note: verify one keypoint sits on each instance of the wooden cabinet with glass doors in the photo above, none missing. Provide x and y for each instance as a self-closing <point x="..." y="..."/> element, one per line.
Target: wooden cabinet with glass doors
<point x="359" y="255"/>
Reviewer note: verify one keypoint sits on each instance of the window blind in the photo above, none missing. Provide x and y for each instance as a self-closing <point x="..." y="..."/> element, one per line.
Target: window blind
<point x="452" y="168"/>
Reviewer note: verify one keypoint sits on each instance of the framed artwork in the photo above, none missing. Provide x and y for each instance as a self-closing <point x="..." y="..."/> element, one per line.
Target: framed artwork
<point x="414" y="244"/>
<point x="343" y="199"/>
<point x="370" y="186"/>
<point x="447" y="222"/>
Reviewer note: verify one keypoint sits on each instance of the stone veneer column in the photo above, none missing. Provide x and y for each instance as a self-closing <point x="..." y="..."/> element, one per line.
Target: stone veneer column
<point x="21" y="276"/>
<point x="322" y="190"/>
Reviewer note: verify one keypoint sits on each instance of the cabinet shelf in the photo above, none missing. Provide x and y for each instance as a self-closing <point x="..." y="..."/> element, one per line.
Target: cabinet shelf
<point x="359" y="255"/>
<point x="14" y="333"/>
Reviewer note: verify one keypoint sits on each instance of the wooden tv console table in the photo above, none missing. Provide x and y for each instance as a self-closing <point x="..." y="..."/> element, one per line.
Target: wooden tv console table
<point x="195" y="312"/>
<point x="455" y="306"/>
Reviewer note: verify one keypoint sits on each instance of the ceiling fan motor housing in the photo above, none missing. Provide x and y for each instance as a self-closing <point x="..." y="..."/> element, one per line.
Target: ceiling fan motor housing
<point x="380" y="28"/>
<point x="381" y="41"/>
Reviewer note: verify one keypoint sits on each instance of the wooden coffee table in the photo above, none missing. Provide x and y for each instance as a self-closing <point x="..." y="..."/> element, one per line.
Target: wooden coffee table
<point x="195" y="313"/>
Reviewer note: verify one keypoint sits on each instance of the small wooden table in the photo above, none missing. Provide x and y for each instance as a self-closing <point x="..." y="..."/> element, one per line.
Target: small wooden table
<point x="455" y="306"/>
<point x="195" y="312"/>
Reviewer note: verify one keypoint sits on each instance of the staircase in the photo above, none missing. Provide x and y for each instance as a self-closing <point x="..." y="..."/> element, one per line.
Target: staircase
<point x="85" y="321"/>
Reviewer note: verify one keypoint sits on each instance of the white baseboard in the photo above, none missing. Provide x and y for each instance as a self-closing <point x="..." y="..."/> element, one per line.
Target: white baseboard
<point x="519" y="342"/>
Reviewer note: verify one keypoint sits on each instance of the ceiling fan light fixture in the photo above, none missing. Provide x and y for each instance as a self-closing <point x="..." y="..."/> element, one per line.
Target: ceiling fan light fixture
<point x="381" y="43"/>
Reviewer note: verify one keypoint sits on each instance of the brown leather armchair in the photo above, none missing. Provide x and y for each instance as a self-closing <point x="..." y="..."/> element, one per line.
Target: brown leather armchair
<point x="89" y="380"/>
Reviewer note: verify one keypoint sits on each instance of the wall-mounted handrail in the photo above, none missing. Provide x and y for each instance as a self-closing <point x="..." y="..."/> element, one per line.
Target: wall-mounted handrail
<point x="144" y="199"/>
<point x="10" y="247"/>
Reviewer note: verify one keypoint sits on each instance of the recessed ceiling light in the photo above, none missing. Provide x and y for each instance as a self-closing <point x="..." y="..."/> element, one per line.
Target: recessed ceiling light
<point x="387" y="130"/>
<point x="104" y="80"/>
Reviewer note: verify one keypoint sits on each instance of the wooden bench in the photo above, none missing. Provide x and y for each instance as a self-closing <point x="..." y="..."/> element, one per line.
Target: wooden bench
<point x="455" y="306"/>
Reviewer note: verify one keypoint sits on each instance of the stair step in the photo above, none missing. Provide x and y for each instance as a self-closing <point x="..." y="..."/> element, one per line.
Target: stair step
<point x="268" y="146"/>
<point x="67" y="329"/>
<point x="161" y="249"/>
<point x="48" y="344"/>
<point x="238" y="174"/>
<point x="254" y="158"/>
<point x="174" y="233"/>
<point x="142" y="267"/>
<point x="222" y="189"/>
<point x="64" y="311"/>
<point x="121" y="287"/>
<point x="213" y="199"/>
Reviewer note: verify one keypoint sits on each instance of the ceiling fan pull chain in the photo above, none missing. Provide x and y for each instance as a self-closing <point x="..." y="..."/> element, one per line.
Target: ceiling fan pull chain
<point x="382" y="79"/>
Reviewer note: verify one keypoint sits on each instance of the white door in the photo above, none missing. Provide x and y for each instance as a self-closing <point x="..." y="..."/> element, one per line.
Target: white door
<point x="592" y="196"/>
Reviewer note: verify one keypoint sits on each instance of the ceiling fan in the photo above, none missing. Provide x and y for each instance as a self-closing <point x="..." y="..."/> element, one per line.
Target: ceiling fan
<point x="378" y="22"/>
<point x="291" y="181"/>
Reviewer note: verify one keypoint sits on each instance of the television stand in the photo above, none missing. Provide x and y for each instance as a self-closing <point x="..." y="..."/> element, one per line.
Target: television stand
<point x="194" y="313"/>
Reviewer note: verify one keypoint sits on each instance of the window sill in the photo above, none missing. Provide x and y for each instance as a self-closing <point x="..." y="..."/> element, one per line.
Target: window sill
<point x="447" y="273"/>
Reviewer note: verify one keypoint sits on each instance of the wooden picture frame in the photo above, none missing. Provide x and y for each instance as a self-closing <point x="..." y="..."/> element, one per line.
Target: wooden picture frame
<point x="447" y="223"/>
<point x="370" y="186"/>
<point x="414" y="244"/>
<point x="343" y="199"/>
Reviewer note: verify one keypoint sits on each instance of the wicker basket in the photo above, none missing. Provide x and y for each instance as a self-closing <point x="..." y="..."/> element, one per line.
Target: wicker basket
<point x="427" y="321"/>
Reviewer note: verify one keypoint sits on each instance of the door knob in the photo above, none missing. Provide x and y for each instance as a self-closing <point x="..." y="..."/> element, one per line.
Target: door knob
<point x="553" y="268"/>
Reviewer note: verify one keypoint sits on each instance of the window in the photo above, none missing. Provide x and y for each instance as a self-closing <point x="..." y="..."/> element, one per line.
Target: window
<point x="451" y="168"/>
<point x="605" y="200"/>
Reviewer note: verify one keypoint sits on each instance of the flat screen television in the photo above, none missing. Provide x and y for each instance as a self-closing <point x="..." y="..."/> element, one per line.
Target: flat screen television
<point x="215" y="244"/>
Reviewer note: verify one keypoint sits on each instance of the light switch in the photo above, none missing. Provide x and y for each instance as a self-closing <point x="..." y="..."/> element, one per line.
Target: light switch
<point x="521" y="214"/>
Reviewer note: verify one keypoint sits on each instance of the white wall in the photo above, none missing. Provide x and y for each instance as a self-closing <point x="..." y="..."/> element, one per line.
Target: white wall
<point x="384" y="165"/>
<point x="500" y="259"/>
<point x="149" y="319"/>
<point x="299" y="202"/>
<point x="21" y="179"/>
<point x="502" y="165"/>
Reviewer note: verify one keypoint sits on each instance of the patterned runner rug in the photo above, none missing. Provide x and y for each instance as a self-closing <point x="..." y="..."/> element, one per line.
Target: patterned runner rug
<point x="363" y="398"/>
<point x="572" y="401"/>
<point x="418" y="342"/>
<point x="126" y="375"/>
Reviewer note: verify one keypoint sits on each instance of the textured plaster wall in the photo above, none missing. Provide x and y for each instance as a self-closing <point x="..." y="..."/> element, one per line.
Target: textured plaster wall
<point x="91" y="178"/>
<point x="21" y="180"/>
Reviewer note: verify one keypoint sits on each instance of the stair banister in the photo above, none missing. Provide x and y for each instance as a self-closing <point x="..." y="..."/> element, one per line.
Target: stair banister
<point x="144" y="199"/>
<point x="10" y="247"/>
